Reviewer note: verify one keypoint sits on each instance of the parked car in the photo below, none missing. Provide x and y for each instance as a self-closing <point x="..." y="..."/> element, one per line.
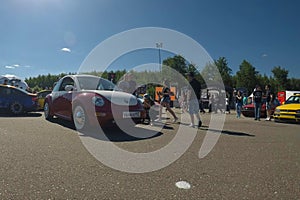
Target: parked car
<point x="248" y="110"/>
<point x="79" y="98"/>
<point x="13" y="81"/>
<point x="290" y="110"/>
<point x="17" y="101"/>
<point x="41" y="98"/>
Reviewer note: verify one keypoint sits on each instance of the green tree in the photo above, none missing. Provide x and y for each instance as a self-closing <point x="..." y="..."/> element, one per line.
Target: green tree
<point x="262" y="80"/>
<point x="211" y="75"/>
<point x="225" y="71"/>
<point x="175" y="68"/>
<point x="177" y="63"/>
<point x="281" y="77"/>
<point x="294" y="84"/>
<point x="246" y="76"/>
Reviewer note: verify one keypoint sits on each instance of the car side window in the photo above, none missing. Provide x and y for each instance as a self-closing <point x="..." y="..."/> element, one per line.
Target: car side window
<point x="5" y="91"/>
<point x="66" y="81"/>
<point x="2" y="91"/>
<point x="56" y="86"/>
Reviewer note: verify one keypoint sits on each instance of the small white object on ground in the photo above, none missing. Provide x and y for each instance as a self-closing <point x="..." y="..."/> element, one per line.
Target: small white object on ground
<point x="183" y="185"/>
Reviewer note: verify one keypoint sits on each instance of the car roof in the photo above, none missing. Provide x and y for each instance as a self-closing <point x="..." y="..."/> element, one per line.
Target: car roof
<point x="295" y="95"/>
<point x="8" y="86"/>
<point x="13" y="87"/>
<point x="82" y="75"/>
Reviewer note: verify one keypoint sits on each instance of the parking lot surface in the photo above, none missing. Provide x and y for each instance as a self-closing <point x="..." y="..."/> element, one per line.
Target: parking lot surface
<point x="251" y="160"/>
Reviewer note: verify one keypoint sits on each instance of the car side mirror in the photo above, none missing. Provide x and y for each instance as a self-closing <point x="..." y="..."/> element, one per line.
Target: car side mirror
<point x="69" y="88"/>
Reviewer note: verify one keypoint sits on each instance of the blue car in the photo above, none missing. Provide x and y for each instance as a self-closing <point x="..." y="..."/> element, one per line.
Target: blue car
<point x="17" y="101"/>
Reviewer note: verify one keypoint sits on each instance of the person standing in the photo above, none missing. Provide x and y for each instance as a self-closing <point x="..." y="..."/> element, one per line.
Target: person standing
<point x="132" y="84"/>
<point x="193" y="99"/>
<point x="124" y="84"/>
<point x="269" y="101"/>
<point x="165" y="101"/>
<point x="257" y="99"/>
<point x="238" y="104"/>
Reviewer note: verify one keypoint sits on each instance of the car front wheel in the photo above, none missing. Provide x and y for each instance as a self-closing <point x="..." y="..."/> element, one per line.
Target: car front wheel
<point x="80" y="117"/>
<point x="47" y="112"/>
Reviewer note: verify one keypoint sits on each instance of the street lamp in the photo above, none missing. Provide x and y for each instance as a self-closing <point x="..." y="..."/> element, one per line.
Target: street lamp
<point x="159" y="46"/>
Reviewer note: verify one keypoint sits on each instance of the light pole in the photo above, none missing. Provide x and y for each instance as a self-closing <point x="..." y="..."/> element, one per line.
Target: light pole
<point x="159" y="46"/>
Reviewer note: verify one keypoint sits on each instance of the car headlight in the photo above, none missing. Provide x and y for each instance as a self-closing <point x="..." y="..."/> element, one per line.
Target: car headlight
<point x="98" y="101"/>
<point x="277" y="110"/>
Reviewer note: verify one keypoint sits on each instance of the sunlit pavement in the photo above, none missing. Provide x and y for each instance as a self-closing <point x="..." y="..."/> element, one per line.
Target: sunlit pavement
<point x="251" y="160"/>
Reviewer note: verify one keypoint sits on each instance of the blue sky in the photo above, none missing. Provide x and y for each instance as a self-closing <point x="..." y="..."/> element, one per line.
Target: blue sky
<point x="55" y="36"/>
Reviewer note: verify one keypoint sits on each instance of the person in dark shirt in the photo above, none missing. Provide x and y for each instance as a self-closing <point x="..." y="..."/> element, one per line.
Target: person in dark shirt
<point x="193" y="99"/>
<point x="257" y="99"/>
<point x="165" y="101"/>
<point x="239" y="103"/>
<point x="269" y="101"/>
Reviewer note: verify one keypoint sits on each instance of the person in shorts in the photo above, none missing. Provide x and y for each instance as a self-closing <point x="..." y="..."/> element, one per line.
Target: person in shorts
<point x="193" y="99"/>
<point x="269" y="101"/>
<point x="149" y="106"/>
<point x="165" y="101"/>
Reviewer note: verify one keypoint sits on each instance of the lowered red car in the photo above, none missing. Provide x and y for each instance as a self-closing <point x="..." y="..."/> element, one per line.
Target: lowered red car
<point x="248" y="110"/>
<point x="87" y="100"/>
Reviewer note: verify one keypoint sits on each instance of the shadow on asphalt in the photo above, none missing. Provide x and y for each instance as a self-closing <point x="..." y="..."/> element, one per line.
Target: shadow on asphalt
<point x="63" y="123"/>
<point x="282" y="121"/>
<point x="233" y="133"/>
<point x="31" y="114"/>
<point x="112" y="133"/>
<point x="115" y="134"/>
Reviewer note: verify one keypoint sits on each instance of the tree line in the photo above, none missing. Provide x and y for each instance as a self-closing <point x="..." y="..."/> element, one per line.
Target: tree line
<point x="247" y="77"/>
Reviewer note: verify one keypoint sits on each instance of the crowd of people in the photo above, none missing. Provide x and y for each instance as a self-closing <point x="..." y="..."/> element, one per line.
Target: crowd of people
<point x="191" y="101"/>
<point x="193" y="97"/>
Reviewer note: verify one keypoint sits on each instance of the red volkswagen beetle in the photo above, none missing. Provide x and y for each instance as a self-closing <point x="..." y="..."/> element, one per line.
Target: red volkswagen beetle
<point x="87" y="100"/>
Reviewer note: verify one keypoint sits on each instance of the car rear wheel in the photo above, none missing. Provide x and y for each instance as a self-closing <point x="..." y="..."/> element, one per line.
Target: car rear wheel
<point x="16" y="108"/>
<point x="47" y="112"/>
<point x="80" y="117"/>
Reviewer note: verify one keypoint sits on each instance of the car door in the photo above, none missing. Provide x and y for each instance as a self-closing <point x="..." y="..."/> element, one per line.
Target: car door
<point x="3" y="97"/>
<point x="62" y="99"/>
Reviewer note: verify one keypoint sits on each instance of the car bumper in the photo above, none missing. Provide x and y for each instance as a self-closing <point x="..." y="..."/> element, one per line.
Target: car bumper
<point x="107" y="118"/>
<point x="250" y="113"/>
<point x="287" y="116"/>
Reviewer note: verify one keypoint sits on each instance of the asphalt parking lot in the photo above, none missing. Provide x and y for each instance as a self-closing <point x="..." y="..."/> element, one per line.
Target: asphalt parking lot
<point x="251" y="160"/>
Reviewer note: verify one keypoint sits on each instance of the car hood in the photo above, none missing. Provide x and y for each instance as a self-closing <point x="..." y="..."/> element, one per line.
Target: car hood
<point x="292" y="106"/>
<point x="118" y="97"/>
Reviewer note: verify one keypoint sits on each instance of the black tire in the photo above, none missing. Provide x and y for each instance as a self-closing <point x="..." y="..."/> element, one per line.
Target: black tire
<point x="16" y="108"/>
<point x="47" y="112"/>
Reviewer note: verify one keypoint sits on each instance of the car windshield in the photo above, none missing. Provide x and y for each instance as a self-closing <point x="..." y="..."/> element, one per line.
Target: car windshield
<point x="293" y="99"/>
<point x="95" y="83"/>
